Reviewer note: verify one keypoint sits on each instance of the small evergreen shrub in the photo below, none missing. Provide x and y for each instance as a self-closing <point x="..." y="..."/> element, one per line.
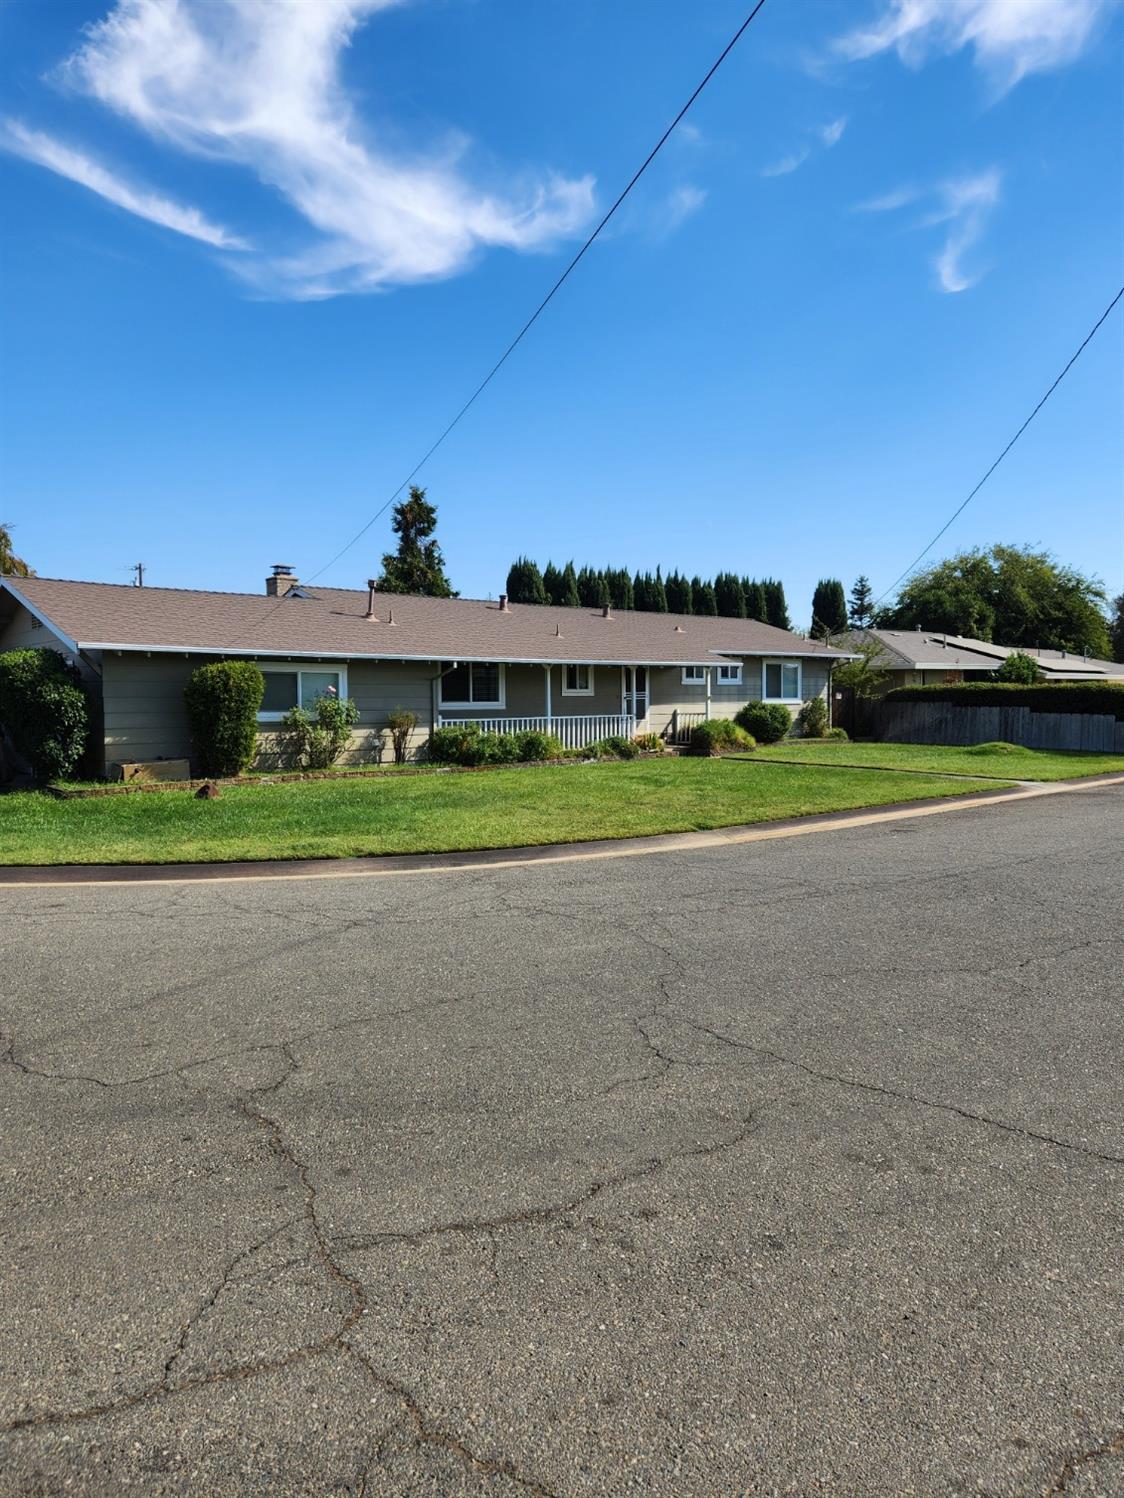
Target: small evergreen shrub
<point x="812" y="718"/>
<point x="315" y="742"/>
<point x="1021" y="668"/>
<point x="837" y="733"/>
<point x="44" y="708"/>
<point x="532" y="746"/>
<point x="462" y="745"/>
<point x="222" y="706"/>
<point x="767" y="722"/>
<point x="719" y="736"/>
<point x="616" y="746"/>
<point x="400" y="725"/>
<point x="468" y="746"/>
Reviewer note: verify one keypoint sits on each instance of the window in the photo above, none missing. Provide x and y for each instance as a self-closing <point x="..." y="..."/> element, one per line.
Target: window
<point x="694" y="676"/>
<point x="781" y="681"/>
<point x="577" y="681"/>
<point x="731" y="675"/>
<point x="287" y="687"/>
<point x="473" y="684"/>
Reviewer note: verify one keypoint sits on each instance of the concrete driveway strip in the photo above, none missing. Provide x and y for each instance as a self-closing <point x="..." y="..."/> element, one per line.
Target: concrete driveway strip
<point x="791" y="1167"/>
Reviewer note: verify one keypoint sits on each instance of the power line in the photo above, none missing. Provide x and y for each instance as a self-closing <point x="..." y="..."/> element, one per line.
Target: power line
<point x="962" y="507"/>
<point x="548" y="298"/>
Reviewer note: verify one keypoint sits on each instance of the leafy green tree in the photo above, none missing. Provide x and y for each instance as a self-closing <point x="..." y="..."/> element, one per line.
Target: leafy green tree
<point x="703" y="600"/>
<point x="1010" y="594"/>
<point x="680" y="599"/>
<point x="1117" y="628"/>
<point x="1021" y="668"/>
<point x="569" y="588"/>
<point x="776" y="610"/>
<point x="10" y="564"/>
<point x="829" y="608"/>
<point x="860" y="609"/>
<point x="417" y="566"/>
<point x="729" y="596"/>
<point x="524" y="582"/>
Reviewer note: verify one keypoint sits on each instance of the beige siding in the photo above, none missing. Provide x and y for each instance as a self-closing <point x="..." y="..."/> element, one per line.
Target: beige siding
<point x="24" y="632"/>
<point x="671" y="695"/>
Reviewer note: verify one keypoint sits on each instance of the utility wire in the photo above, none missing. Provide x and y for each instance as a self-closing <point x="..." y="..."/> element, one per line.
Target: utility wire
<point x="962" y="507"/>
<point x="547" y="299"/>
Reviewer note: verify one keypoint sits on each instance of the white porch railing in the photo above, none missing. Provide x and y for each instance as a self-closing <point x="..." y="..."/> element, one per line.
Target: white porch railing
<point x="681" y="726"/>
<point x="575" y="732"/>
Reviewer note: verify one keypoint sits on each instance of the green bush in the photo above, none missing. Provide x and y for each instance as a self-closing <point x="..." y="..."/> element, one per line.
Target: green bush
<point x="812" y="718"/>
<point x="719" y="736"/>
<point x="616" y="746"/>
<point x="468" y="746"/>
<point x="44" y="708"/>
<point x="1105" y="697"/>
<point x="222" y="706"/>
<point x="996" y="747"/>
<point x="837" y="733"/>
<point x="462" y="745"/>
<point x="767" y="722"/>
<point x="532" y="746"/>
<point x="316" y="742"/>
<point x="648" y="743"/>
<point x="1019" y="667"/>
<point x="400" y="725"/>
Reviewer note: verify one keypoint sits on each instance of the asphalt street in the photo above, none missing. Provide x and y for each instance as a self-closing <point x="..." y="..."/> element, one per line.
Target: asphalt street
<point x="787" y="1168"/>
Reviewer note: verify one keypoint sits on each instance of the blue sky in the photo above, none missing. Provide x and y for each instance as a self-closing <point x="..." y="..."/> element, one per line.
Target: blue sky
<point x="256" y="256"/>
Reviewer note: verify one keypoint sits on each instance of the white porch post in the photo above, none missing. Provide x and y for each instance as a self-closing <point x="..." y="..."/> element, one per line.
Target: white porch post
<point x="708" y="670"/>
<point x="549" y="705"/>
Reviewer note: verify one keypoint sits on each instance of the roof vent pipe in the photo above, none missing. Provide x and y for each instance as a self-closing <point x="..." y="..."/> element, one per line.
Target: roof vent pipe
<point x="607" y="611"/>
<point x="370" y="614"/>
<point x="557" y="631"/>
<point x="503" y="604"/>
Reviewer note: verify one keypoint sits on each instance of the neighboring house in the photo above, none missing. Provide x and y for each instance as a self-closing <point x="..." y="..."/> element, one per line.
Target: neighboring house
<point x="581" y="673"/>
<point x="915" y="657"/>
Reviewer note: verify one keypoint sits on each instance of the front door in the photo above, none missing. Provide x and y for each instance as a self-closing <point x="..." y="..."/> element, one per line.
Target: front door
<point x="634" y="692"/>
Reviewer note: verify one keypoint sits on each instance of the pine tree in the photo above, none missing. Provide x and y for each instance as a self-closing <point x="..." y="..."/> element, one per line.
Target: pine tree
<point x="829" y="608"/>
<point x="570" y="598"/>
<point x="524" y="582"/>
<point x="861" y="607"/>
<point x="552" y="583"/>
<point x="702" y="597"/>
<point x="679" y="594"/>
<point x="417" y="566"/>
<point x="729" y="596"/>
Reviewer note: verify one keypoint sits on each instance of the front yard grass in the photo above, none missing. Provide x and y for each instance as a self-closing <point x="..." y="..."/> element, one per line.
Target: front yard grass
<point x="1006" y="761"/>
<point x="441" y="813"/>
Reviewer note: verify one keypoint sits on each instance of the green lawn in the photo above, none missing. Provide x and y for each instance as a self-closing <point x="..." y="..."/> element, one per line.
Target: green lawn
<point x="1009" y="761"/>
<point x="431" y="813"/>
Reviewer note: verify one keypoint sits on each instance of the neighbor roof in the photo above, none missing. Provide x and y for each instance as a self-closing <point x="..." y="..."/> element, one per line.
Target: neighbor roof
<point x="333" y="622"/>
<point x="920" y="650"/>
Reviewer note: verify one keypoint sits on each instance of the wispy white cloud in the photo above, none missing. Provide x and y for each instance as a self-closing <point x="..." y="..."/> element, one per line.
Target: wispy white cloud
<point x="963" y="204"/>
<point x="680" y="204"/>
<point x="832" y="134"/>
<point x="45" y="150"/>
<point x="257" y="85"/>
<point x="1009" y="38"/>
<point x="828" y="135"/>
<point x="787" y="163"/>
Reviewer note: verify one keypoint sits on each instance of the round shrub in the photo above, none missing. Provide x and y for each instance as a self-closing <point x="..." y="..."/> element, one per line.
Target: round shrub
<point x="463" y="745"/>
<point x="996" y="747"/>
<point x="812" y="719"/>
<point x="616" y="746"/>
<point x="719" y="736"/>
<point x="44" y="708"/>
<point x="768" y="722"/>
<point x="222" y="705"/>
<point x="837" y="733"/>
<point x="532" y="745"/>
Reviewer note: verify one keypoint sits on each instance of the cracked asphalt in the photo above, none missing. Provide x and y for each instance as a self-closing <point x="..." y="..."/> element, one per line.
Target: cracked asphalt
<point x="786" y="1168"/>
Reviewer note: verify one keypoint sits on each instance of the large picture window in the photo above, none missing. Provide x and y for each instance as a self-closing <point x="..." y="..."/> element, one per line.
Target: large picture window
<point x="287" y="687"/>
<point x="473" y="684"/>
<point x="781" y="681"/>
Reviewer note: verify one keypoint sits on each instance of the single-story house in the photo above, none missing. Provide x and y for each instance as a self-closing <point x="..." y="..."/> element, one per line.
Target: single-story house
<point x="917" y="657"/>
<point x="581" y="673"/>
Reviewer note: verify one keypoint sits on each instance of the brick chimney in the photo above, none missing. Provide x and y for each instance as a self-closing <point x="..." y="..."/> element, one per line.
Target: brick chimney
<point x="282" y="580"/>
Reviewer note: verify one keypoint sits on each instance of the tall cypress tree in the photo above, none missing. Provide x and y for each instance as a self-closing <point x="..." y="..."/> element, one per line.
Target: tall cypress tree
<point x="776" y="610"/>
<point x="702" y="597"/>
<point x="829" y="608"/>
<point x="620" y="587"/>
<point x="679" y="594"/>
<point x="570" y="598"/>
<point x="729" y="596"/>
<point x="524" y="582"/>
<point x="755" y="605"/>
<point x="552" y="583"/>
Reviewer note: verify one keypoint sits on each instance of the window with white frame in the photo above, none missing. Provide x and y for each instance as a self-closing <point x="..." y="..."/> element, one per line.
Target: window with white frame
<point x="288" y="686"/>
<point x="473" y="684"/>
<point x="730" y="675"/>
<point x="781" y="681"/>
<point x="694" y="676"/>
<point x="577" y="681"/>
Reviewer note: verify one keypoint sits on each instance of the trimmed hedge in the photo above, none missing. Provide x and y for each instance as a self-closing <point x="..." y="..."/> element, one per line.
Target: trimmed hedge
<point x="767" y="722"/>
<point x="222" y="702"/>
<point x="44" y="708"/>
<point x="719" y="736"/>
<point x="466" y="745"/>
<point x="1102" y="697"/>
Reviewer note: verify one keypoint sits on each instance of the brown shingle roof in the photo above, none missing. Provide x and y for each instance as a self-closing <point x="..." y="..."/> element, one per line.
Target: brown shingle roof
<point x="332" y="622"/>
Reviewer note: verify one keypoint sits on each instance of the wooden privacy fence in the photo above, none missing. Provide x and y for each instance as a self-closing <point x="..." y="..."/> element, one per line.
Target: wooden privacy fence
<point x="954" y="723"/>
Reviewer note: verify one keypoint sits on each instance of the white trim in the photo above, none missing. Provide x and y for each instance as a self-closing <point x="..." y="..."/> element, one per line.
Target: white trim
<point x="568" y="666"/>
<point x="500" y="703"/>
<point x="628" y="690"/>
<point x="778" y="661"/>
<point x="694" y="681"/>
<point x="728" y="681"/>
<point x="248" y="652"/>
<point x="278" y="669"/>
<point x="43" y="620"/>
